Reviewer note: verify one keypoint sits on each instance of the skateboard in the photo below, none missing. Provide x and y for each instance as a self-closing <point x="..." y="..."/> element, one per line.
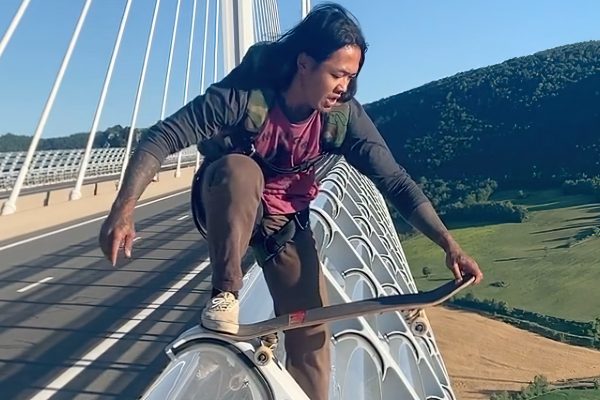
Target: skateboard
<point x="412" y="302"/>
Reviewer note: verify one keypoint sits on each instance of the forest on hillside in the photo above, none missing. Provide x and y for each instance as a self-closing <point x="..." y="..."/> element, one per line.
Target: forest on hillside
<point x="115" y="136"/>
<point x="532" y="120"/>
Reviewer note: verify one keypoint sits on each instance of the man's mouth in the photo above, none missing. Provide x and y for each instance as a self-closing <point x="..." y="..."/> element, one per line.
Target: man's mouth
<point x="331" y="100"/>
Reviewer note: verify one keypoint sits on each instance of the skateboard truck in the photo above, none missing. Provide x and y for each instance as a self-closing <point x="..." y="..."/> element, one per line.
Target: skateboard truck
<point x="265" y="352"/>
<point x="417" y="321"/>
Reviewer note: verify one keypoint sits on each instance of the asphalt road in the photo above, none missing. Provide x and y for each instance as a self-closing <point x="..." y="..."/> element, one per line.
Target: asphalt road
<point x="94" y="331"/>
<point x="72" y="326"/>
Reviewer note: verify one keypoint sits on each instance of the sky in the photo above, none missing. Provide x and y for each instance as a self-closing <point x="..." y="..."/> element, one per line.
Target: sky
<point x="411" y="43"/>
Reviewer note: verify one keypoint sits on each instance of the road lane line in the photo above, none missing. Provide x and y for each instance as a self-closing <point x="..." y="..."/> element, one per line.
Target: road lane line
<point x="63" y="379"/>
<point x="182" y="218"/>
<point x="34" y="284"/>
<point x="8" y="246"/>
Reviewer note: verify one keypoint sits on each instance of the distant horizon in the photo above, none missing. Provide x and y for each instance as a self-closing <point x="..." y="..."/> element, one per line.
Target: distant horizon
<point x="101" y="129"/>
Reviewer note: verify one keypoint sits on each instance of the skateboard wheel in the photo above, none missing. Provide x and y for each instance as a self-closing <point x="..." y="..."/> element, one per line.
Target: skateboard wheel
<point x="263" y="355"/>
<point x="419" y="326"/>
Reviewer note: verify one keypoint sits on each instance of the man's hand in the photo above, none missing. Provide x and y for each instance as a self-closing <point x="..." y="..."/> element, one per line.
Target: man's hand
<point x="117" y="231"/>
<point x="460" y="263"/>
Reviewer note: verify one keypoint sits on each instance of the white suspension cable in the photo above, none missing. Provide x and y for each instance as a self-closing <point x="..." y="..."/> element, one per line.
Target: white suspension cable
<point x="203" y="73"/>
<point x="187" y="76"/>
<point x="216" y="48"/>
<point x="10" y="206"/>
<point x="273" y="33"/>
<point x="13" y="26"/>
<point x="267" y="23"/>
<point x="170" y="62"/>
<point x="261" y="22"/>
<point x="205" y="41"/>
<point x="76" y="192"/>
<point x="169" y="65"/>
<point x="276" y="13"/>
<point x="305" y="8"/>
<point x="139" y="93"/>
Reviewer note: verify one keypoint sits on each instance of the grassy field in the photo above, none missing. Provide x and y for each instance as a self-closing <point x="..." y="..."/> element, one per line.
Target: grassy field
<point x="543" y="274"/>
<point x="571" y="395"/>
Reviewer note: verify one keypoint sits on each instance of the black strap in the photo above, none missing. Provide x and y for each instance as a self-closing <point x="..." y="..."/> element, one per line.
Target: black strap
<point x="274" y="170"/>
<point x="274" y="243"/>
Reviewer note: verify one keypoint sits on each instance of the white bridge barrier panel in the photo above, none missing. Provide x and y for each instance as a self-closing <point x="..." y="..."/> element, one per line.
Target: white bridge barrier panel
<point x="373" y="357"/>
<point x="49" y="167"/>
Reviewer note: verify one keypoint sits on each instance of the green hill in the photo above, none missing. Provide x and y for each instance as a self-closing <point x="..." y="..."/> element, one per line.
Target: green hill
<point x="115" y="136"/>
<point x="533" y="119"/>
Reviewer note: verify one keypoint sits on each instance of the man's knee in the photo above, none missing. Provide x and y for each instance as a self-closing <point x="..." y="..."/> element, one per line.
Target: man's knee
<point x="234" y="169"/>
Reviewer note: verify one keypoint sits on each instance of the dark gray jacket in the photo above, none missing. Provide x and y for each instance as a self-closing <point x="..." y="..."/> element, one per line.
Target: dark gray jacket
<point x="223" y="106"/>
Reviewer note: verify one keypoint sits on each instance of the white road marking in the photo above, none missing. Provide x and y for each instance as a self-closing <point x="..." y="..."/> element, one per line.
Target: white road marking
<point x="182" y="218"/>
<point x="35" y="284"/>
<point x="63" y="379"/>
<point x="8" y="246"/>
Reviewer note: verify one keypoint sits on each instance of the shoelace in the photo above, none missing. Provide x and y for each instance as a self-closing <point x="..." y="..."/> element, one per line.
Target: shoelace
<point x="220" y="304"/>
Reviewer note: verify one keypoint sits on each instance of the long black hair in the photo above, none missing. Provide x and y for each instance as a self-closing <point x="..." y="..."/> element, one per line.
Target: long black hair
<point x="325" y="29"/>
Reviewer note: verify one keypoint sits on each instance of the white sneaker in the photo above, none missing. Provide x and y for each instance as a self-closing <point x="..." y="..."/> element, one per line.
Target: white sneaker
<point x="221" y="313"/>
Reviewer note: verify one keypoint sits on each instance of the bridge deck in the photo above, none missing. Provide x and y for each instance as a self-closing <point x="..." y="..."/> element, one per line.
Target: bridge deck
<point x="34" y="216"/>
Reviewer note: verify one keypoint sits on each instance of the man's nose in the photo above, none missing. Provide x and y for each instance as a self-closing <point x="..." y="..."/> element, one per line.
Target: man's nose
<point x="342" y="87"/>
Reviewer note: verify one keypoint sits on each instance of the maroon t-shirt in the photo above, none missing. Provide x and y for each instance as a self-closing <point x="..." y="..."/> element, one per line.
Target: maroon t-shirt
<point x="286" y="145"/>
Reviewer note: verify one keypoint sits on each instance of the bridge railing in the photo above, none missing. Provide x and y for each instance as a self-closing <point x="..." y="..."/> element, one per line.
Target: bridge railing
<point x="51" y="167"/>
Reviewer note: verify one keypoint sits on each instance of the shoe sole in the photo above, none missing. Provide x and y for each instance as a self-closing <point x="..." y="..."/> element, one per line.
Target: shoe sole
<point x="221" y="326"/>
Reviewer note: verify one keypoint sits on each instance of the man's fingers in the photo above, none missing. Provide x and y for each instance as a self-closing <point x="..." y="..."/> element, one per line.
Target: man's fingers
<point x="478" y="276"/>
<point x="129" y="244"/>
<point x="116" y="243"/>
<point x="456" y="271"/>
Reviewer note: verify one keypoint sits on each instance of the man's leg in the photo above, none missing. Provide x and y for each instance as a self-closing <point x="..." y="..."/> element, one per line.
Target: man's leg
<point x="296" y="282"/>
<point x="231" y="193"/>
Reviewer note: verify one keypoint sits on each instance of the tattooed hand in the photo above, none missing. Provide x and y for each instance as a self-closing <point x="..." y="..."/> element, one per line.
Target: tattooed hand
<point x="118" y="230"/>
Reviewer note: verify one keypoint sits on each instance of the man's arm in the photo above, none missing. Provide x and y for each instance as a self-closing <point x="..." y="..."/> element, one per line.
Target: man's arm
<point x="142" y="167"/>
<point x="198" y="120"/>
<point x="219" y="107"/>
<point x="365" y="149"/>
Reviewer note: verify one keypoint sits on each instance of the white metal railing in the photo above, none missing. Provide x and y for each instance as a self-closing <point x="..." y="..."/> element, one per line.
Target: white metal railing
<point x="50" y="167"/>
<point x="373" y="357"/>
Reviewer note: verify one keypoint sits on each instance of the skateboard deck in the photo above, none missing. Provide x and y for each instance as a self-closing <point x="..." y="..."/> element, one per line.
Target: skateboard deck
<point x="316" y="316"/>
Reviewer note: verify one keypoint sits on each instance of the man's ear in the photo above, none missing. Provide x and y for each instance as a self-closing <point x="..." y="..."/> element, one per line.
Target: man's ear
<point x="304" y="63"/>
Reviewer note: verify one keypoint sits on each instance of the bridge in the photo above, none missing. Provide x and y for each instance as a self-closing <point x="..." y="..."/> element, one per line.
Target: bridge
<point x="75" y="327"/>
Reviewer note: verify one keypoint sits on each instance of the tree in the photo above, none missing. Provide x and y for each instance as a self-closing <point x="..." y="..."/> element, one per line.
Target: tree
<point x="501" y="396"/>
<point x="426" y="272"/>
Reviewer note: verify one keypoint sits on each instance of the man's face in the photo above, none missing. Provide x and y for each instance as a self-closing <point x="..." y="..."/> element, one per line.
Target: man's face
<point x="324" y="83"/>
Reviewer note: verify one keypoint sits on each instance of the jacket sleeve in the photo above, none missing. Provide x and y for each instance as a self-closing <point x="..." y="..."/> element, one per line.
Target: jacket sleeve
<point x="218" y="108"/>
<point x="365" y="149"/>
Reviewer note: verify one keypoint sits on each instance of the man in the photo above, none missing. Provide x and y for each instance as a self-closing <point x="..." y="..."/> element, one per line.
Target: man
<point x="256" y="189"/>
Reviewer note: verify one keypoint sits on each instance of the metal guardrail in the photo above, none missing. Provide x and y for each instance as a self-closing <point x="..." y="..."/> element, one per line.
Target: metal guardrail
<point x="51" y="167"/>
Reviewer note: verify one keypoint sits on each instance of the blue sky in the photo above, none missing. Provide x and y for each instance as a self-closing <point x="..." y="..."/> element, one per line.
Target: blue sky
<point x="412" y="42"/>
